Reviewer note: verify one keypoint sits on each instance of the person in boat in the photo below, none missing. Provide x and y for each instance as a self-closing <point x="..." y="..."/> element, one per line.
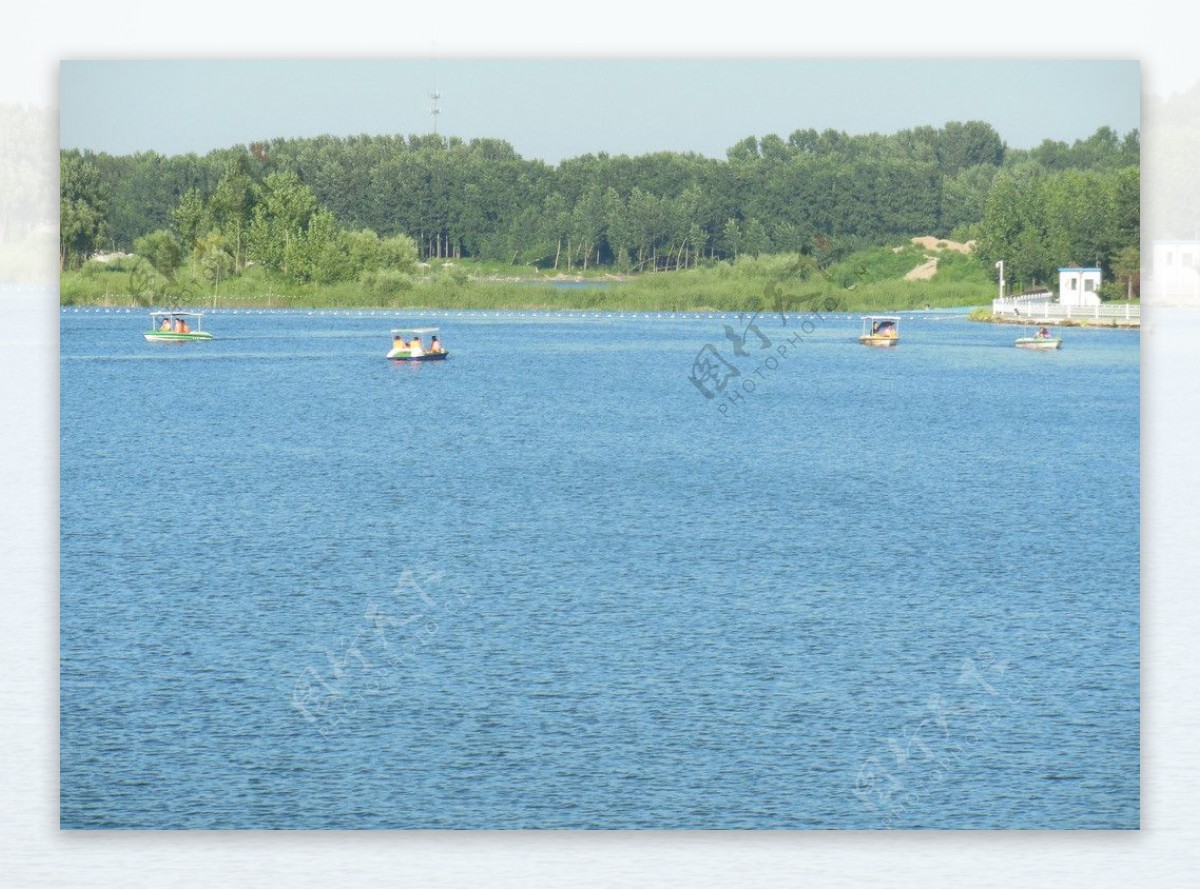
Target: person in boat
<point x="874" y="328"/>
<point x="415" y="346"/>
<point x="435" y="345"/>
<point x="399" y="342"/>
<point x="1044" y="333"/>
<point x="166" y="324"/>
<point x="183" y="327"/>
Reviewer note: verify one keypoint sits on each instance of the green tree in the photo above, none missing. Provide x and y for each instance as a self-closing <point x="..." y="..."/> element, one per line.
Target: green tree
<point x="280" y="217"/>
<point x="963" y="145"/>
<point x="556" y="224"/>
<point x="654" y="211"/>
<point x="644" y="212"/>
<point x="162" y="251"/>
<point x="83" y="207"/>
<point x="1014" y="230"/>
<point x="587" y="223"/>
<point x="1076" y="215"/>
<point x="362" y="250"/>
<point x="755" y="240"/>
<point x="192" y="219"/>
<point x="1126" y="266"/>
<point x="1125" y="193"/>
<point x="964" y="197"/>
<point x="731" y="237"/>
<point x="745" y="150"/>
<point x="398" y="252"/>
<point x="773" y="148"/>
<point x="231" y="205"/>
<point x="686" y="231"/>
<point x="320" y="253"/>
<point x="620" y="233"/>
<point x="213" y="259"/>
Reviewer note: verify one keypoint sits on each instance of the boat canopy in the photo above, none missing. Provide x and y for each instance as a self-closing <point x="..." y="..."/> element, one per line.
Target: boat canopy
<point x="414" y="330"/>
<point x="874" y="323"/>
<point x="174" y="313"/>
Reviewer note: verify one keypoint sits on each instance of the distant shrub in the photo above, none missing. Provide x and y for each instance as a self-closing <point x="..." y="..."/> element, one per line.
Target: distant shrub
<point x="1114" y="291"/>
<point x="454" y="273"/>
<point x="873" y="266"/>
<point x="962" y="268"/>
<point x="385" y="282"/>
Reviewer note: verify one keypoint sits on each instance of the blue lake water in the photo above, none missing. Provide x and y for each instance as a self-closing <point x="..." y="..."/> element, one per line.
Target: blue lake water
<point x="548" y="584"/>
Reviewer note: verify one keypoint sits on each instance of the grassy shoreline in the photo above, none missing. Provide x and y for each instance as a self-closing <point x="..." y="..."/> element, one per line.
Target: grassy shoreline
<point x="869" y="281"/>
<point x="533" y="296"/>
<point x="768" y="283"/>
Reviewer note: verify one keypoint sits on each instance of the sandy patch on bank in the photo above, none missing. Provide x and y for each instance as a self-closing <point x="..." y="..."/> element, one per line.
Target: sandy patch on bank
<point x="923" y="272"/>
<point x="928" y="242"/>
<point x="928" y="269"/>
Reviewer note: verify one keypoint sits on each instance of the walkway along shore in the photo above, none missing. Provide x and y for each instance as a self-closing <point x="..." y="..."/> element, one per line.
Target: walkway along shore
<point x="1038" y="321"/>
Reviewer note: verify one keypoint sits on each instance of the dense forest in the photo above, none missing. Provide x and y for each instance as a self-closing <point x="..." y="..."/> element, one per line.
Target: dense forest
<point x="330" y="209"/>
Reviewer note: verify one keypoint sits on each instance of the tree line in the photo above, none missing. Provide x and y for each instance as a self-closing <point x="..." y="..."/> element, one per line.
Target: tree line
<point x="331" y="209"/>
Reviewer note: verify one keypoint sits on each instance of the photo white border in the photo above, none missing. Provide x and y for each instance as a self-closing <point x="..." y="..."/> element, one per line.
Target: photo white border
<point x="33" y="852"/>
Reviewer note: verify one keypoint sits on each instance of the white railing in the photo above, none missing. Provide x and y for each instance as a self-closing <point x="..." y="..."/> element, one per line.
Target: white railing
<point x="1038" y="297"/>
<point x="1048" y="311"/>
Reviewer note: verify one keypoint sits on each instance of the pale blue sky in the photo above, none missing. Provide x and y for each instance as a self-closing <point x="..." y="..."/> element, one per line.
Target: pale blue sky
<point x="552" y="109"/>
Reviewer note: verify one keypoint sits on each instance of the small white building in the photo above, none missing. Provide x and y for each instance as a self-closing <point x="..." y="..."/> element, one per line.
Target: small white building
<point x="1079" y="286"/>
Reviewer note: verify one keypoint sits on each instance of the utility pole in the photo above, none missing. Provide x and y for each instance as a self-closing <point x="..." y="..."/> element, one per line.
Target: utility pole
<point x="435" y="111"/>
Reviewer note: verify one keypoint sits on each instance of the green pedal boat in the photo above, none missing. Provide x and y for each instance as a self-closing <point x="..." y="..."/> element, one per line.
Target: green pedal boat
<point x="408" y="345"/>
<point x="170" y="326"/>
